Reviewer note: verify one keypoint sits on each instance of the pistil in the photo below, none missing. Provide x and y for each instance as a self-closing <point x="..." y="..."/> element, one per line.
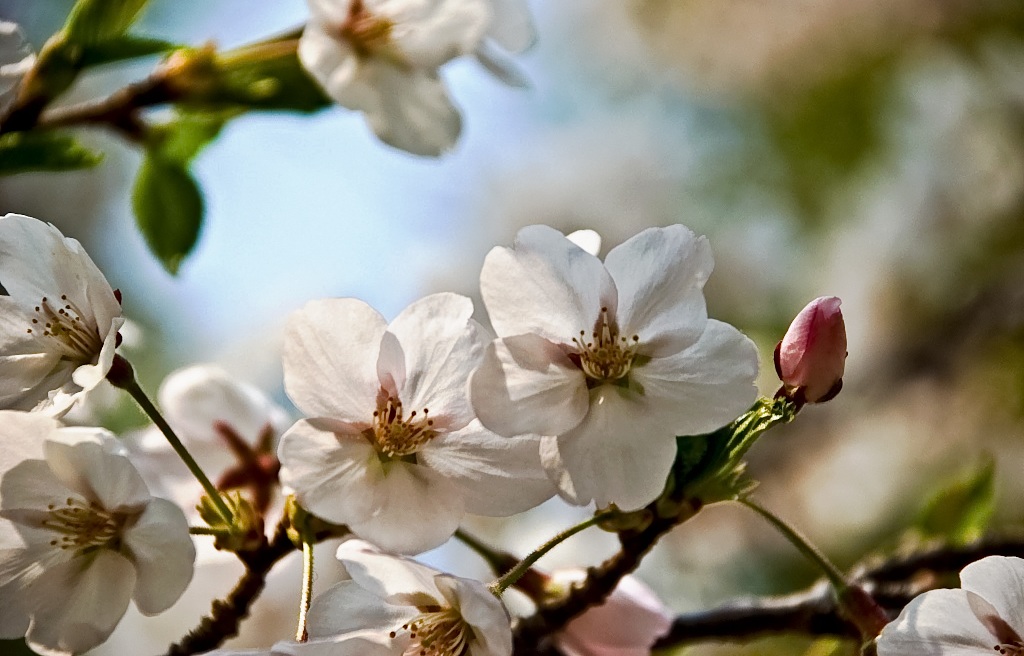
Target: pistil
<point x="396" y="435"/>
<point x="81" y="525"/>
<point x="606" y="356"/>
<point x="437" y="631"/>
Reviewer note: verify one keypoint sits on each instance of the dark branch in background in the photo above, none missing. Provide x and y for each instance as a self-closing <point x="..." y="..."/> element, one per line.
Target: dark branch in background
<point x="893" y="582"/>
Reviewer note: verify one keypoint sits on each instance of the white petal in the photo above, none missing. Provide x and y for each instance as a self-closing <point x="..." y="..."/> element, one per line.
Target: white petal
<point x="545" y="285"/>
<point x="397" y="580"/>
<point x="391" y="364"/>
<point x="704" y="387"/>
<point x="660" y="274"/>
<point x="501" y="67"/>
<point x="484" y="613"/>
<point x="17" y="571"/>
<point x="414" y="112"/>
<point x="76" y="609"/>
<point x="346" y="607"/>
<point x="16" y="59"/>
<point x="936" y="623"/>
<point x="88" y="376"/>
<point x="163" y="554"/>
<point x="429" y="34"/>
<point x="91" y="470"/>
<point x="511" y="25"/>
<point x="331" y="468"/>
<point x="330" y="358"/>
<point x="196" y="397"/>
<point x="415" y="509"/>
<point x="441" y="350"/>
<point x="526" y="384"/>
<point x="617" y="454"/>
<point x="37" y="261"/>
<point x="588" y="240"/>
<point x="362" y="643"/>
<point x="498" y="476"/>
<point x="999" y="580"/>
<point x="22" y="435"/>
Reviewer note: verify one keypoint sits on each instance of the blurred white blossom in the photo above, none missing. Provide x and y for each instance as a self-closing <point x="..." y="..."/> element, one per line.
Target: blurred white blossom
<point x="612" y="360"/>
<point x="16" y="58"/>
<point x="80" y="537"/>
<point x="59" y="322"/>
<point x="392" y="447"/>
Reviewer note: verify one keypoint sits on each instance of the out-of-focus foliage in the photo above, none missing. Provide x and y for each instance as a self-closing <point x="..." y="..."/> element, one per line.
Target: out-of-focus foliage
<point x="961" y="510"/>
<point x="44" y="151"/>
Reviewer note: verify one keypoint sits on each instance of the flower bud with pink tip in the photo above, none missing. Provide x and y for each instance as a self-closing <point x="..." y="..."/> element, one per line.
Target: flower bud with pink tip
<point x="811" y="358"/>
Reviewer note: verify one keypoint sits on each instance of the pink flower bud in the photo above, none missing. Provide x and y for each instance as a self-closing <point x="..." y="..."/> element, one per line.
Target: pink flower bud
<point x="811" y="358"/>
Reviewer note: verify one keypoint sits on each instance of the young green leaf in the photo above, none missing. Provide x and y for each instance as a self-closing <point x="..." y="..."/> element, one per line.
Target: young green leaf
<point x="168" y="209"/>
<point x="44" y="151"/>
<point x="95" y="21"/>
<point x="120" y="48"/>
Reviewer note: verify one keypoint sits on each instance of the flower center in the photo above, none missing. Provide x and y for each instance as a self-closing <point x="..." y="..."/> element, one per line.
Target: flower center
<point x="1016" y="648"/>
<point x="437" y="631"/>
<point x="82" y="525"/>
<point x="606" y="356"/>
<point x="367" y="33"/>
<point x="62" y="323"/>
<point x="397" y="435"/>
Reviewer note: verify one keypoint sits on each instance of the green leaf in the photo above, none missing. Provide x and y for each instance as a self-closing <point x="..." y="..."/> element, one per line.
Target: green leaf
<point x="168" y="209"/>
<point x="95" y="21"/>
<point x="44" y="151"/>
<point x="182" y="138"/>
<point x="962" y="508"/>
<point x="259" y="81"/>
<point x="123" y="47"/>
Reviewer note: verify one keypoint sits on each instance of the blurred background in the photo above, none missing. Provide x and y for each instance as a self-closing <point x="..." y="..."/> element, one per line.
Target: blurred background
<point x="869" y="149"/>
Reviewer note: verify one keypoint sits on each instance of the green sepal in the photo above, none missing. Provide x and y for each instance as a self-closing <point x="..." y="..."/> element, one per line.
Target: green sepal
<point x="961" y="509"/>
<point x="44" y="151"/>
<point x="94" y="21"/>
<point x="265" y="79"/>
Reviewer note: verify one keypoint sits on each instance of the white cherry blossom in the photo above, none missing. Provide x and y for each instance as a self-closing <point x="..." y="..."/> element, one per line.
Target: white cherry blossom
<point x="80" y="536"/>
<point x="381" y="57"/>
<point x="611" y="359"/>
<point x="16" y="58"/>
<point x="59" y="321"/>
<point x="984" y="616"/>
<point x="391" y="446"/>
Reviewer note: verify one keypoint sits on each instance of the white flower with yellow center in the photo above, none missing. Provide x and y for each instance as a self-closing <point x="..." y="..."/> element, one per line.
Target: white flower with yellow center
<point x="80" y="536"/>
<point x="58" y="320"/>
<point x="610" y="359"/>
<point x="985" y="616"/>
<point x="391" y="446"/>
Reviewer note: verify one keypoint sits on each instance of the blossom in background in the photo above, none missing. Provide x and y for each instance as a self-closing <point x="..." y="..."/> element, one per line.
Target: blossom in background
<point x="612" y="360"/>
<point x="80" y="536"/>
<point x="229" y="426"/>
<point x="391" y="446"/>
<point x="628" y="623"/>
<point x="811" y="358"/>
<point x="985" y="616"/>
<point x="381" y="57"/>
<point x="59" y="321"/>
<point x="16" y="58"/>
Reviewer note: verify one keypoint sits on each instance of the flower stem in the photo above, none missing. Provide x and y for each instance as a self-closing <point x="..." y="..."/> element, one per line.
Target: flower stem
<point x="797" y="539"/>
<point x="122" y="375"/>
<point x="513" y="575"/>
<point x="301" y="635"/>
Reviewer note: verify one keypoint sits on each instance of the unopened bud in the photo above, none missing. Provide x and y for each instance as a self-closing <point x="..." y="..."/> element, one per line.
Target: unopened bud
<point x="811" y="358"/>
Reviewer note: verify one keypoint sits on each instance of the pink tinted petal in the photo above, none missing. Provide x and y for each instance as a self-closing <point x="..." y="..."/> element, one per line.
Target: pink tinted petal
<point x="394" y="579"/>
<point x="936" y="623"/>
<point x="330" y="358"/>
<point x="346" y="607"/>
<point x="161" y="549"/>
<point x="391" y="364"/>
<point x="362" y="643"/>
<point x="660" y="274"/>
<point x="526" y="384"/>
<point x="76" y="609"/>
<point x="484" y="613"/>
<point x="629" y="622"/>
<point x="497" y="476"/>
<point x="545" y="285"/>
<point x="999" y="580"/>
<point x="441" y="349"/>
<point x="332" y="473"/>
<point x="616" y="455"/>
<point x="704" y="387"/>
<point x="812" y="354"/>
<point x="415" y="509"/>
<point x="89" y="468"/>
